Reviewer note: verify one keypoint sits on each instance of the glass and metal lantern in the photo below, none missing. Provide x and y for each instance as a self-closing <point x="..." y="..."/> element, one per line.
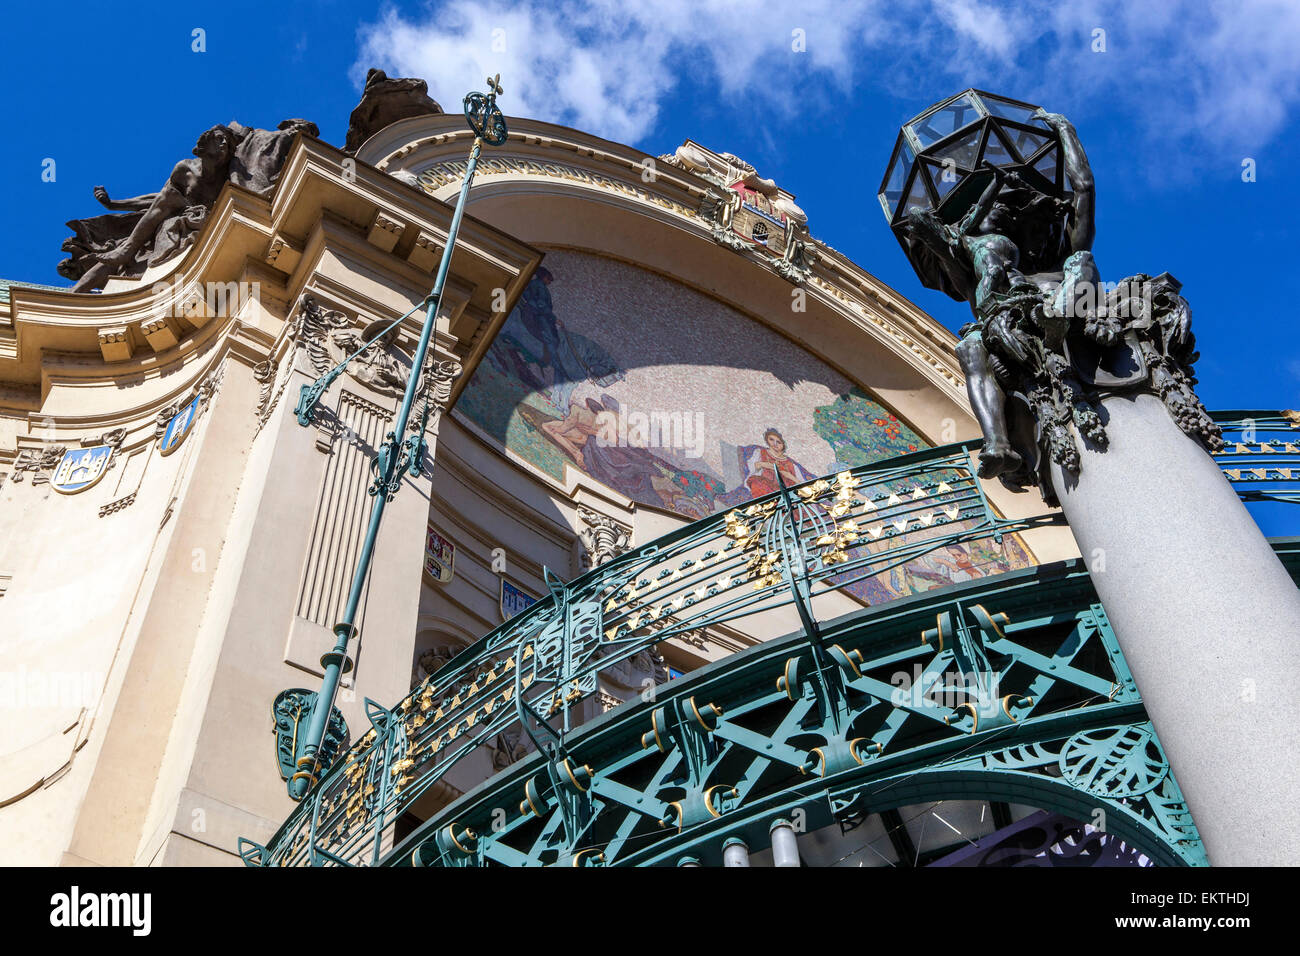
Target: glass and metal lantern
<point x="939" y="160"/>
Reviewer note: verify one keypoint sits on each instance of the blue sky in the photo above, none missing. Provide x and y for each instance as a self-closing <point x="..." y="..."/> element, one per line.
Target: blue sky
<point x="1178" y="98"/>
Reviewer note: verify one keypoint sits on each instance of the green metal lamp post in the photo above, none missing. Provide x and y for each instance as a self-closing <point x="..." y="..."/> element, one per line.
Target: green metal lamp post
<point x="396" y="455"/>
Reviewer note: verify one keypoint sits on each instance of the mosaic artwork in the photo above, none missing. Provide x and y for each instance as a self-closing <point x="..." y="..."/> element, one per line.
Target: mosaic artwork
<point x="679" y="402"/>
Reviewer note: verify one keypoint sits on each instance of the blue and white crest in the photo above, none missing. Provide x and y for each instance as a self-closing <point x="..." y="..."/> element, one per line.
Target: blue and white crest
<point x="80" y="468"/>
<point x="514" y="599"/>
<point x="179" y="427"/>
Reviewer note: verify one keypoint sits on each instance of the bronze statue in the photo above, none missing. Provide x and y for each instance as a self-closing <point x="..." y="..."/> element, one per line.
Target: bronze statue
<point x="147" y="230"/>
<point x="1048" y="336"/>
<point x="384" y="101"/>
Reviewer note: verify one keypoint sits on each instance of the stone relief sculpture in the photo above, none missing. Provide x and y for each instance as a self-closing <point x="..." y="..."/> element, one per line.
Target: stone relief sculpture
<point x="1049" y="337"/>
<point x="603" y="538"/>
<point x="147" y="230"/>
<point x="39" y="462"/>
<point x="327" y="337"/>
<point x="380" y="364"/>
<point x="746" y="211"/>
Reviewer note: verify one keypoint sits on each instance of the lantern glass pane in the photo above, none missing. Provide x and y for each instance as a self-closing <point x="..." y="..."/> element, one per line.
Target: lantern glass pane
<point x="1046" y="165"/>
<point x="917" y="197"/>
<point x="945" y="179"/>
<point x="963" y="152"/>
<point x="1011" y="111"/>
<point x="996" y="151"/>
<point x="945" y="121"/>
<point x="896" y="180"/>
<point x="1026" y="143"/>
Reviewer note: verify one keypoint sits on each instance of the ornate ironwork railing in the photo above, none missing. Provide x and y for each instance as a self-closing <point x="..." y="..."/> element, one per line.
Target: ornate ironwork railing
<point x="788" y="551"/>
<point x="1261" y="454"/>
<point x="925" y="699"/>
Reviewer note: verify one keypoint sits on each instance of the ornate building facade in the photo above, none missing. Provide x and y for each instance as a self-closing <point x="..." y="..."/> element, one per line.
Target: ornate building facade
<point x="635" y="357"/>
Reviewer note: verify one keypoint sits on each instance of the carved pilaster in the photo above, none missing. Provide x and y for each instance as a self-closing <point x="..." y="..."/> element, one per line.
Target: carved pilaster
<point x="339" y="523"/>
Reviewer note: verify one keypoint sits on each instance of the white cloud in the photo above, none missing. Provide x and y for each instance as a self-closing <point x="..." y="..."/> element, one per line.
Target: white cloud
<point x="1223" y="75"/>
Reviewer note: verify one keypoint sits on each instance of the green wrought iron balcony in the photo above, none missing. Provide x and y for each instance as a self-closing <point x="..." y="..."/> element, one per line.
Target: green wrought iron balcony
<point x="1015" y="691"/>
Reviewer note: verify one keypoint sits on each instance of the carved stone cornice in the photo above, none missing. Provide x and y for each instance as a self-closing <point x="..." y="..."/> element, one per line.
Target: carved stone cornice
<point x="136" y="327"/>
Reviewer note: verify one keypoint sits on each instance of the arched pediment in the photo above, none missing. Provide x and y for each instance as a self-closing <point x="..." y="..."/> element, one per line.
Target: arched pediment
<point x="558" y="188"/>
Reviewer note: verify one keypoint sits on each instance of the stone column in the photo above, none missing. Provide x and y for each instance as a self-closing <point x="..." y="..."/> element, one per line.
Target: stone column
<point x="1208" y="619"/>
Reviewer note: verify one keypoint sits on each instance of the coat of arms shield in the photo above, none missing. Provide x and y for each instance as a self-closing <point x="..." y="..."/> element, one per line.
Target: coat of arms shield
<point x="439" y="557"/>
<point x="179" y="427"/>
<point x="81" y="468"/>
<point x="514" y="599"/>
<point x="758" y="220"/>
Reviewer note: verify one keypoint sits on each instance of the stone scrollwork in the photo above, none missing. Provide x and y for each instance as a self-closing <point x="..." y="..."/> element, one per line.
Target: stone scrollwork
<point x="439" y="378"/>
<point x="164" y="417"/>
<point x="429" y="662"/>
<point x="746" y="212"/>
<point x="39" y="462"/>
<point x="113" y="438"/>
<point x="603" y="538"/>
<point x="206" y="390"/>
<point x="265" y="373"/>
<point x="314" y="328"/>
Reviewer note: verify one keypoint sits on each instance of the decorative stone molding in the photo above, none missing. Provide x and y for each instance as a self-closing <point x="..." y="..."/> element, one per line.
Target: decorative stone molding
<point x="507" y="748"/>
<point x="603" y="538"/>
<point x="313" y="328"/>
<point x="439" y="379"/>
<point x="791" y="257"/>
<point x="385" y="231"/>
<point x="697" y="639"/>
<point x="164" y="417"/>
<point x="540" y="151"/>
<point x="115" y="506"/>
<point x="283" y="255"/>
<point x="340" y="518"/>
<point x="637" y="672"/>
<point x="158" y="333"/>
<point x="426" y="251"/>
<point x="432" y="660"/>
<point x="211" y="383"/>
<point x="265" y="373"/>
<point x="113" y="439"/>
<point x="38" y="462"/>
<point x="115" y="343"/>
<point x="329" y="339"/>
